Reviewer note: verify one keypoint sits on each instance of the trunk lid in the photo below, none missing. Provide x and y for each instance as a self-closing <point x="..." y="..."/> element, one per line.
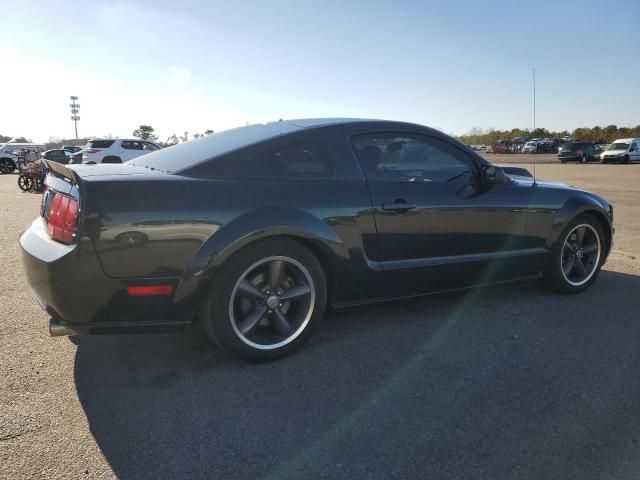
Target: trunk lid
<point x="62" y="203"/>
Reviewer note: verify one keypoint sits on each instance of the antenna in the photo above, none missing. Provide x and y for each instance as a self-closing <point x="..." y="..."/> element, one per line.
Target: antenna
<point x="534" y="123"/>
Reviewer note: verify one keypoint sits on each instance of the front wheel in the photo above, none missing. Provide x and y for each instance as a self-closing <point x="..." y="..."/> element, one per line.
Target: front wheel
<point x="584" y="159"/>
<point x="265" y="300"/>
<point x="577" y="257"/>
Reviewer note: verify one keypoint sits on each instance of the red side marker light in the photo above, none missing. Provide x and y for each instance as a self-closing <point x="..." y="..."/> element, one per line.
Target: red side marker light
<point x="149" y="290"/>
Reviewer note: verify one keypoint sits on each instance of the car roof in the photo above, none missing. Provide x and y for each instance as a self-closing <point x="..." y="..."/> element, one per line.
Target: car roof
<point x="625" y="140"/>
<point x="210" y="146"/>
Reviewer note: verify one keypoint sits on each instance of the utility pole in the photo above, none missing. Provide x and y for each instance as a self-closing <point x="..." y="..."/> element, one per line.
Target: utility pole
<point x="75" y="112"/>
<point x="534" y="99"/>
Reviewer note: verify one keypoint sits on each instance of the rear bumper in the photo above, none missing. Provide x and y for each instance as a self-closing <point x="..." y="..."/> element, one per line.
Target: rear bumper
<point x="71" y="286"/>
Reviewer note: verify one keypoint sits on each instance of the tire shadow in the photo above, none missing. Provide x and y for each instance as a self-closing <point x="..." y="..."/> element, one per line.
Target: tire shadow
<point x="485" y="383"/>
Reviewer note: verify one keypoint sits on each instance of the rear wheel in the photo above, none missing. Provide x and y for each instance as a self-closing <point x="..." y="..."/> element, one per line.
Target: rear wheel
<point x="577" y="257"/>
<point x="584" y="159"/>
<point x="265" y="300"/>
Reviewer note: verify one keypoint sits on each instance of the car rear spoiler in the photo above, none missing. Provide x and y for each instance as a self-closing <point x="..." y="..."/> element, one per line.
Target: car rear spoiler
<point x="62" y="171"/>
<point x="521" y="172"/>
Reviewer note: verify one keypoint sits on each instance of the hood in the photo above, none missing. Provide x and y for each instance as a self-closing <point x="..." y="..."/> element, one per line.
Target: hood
<point x="614" y="152"/>
<point x="528" y="181"/>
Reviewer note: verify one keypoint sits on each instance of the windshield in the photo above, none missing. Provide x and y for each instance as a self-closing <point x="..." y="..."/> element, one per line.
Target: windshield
<point x="619" y="146"/>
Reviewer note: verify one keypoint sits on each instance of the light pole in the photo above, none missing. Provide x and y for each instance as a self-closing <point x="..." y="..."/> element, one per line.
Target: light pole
<point x="75" y="112"/>
<point x="534" y="99"/>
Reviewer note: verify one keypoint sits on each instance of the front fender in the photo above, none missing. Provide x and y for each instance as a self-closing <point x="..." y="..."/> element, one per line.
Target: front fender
<point x="575" y="205"/>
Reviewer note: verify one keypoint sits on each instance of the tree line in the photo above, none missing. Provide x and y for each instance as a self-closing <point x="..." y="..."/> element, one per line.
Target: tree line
<point x="5" y="139"/>
<point x="147" y="132"/>
<point x="602" y="135"/>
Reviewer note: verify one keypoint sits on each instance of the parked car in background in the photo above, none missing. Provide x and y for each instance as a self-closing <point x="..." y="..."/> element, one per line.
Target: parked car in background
<point x="57" y="155"/>
<point x="8" y="162"/>
<point x="254" y="231"/>
<point x="624" y="150"/>
<point x="11" y="154"/>
<point x="530" y="147"/>
<point x="579" y="152"/>
<point x="116" y="150"/>
<point x="489" y="149"/>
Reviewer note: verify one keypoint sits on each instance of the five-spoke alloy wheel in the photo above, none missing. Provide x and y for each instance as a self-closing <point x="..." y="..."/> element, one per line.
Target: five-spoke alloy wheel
<point x="577" y="257"/>
<point x="580" y="254"/>
<point x="265" y="300"/>
<point x="272" y="302"/>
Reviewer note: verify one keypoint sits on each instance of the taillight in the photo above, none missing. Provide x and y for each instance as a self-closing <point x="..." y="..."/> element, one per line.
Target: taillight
<point x="62" y="218"/>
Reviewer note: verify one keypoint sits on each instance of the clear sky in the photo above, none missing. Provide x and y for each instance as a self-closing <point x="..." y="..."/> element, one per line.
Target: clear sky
<point x="190" y="66"/>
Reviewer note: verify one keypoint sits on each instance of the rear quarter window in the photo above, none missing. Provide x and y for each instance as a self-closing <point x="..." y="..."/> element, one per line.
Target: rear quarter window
<point x="304" y="159"/>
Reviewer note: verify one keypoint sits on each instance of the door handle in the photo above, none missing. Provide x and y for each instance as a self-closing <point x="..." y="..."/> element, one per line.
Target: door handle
<point x="399" y="205"/>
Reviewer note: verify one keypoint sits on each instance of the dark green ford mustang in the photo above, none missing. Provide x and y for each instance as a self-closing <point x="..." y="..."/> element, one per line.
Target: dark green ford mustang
<point x="255" y="231"/>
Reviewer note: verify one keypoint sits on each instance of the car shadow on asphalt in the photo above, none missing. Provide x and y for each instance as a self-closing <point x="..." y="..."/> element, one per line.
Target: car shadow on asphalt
<point x="485" y="382"/>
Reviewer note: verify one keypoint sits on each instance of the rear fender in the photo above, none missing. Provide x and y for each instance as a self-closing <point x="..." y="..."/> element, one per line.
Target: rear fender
<point x="252" y="226"/>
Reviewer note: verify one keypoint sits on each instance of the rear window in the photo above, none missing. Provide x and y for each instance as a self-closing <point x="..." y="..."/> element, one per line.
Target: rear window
<point x="189" y="154"/>
<point x="100" y="143"/>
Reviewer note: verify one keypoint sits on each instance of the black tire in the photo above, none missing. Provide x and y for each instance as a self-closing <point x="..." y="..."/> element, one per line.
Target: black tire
<point x="111" y="159"/>
<point x="38" y="185"/>
<point x="563" y="161"/>
<point x="584" y="159"/>
<point x="218" y="309"/>
<point x="7" y="166"/>
<point x="626" y="159"/>
<point x="555" y="277"/>
<point x="25" y="183"/>
<point x="604" y="161"/>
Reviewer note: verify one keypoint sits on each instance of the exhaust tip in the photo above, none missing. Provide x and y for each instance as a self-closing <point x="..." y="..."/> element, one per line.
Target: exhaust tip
<point x="56" y="329"/>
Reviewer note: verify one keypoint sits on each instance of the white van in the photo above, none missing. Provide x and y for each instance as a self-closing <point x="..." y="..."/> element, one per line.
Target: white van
<point x="624" y="150"/>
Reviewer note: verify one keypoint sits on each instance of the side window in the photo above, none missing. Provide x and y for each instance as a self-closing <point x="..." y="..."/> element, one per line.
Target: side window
<point x="131" y="145"/>
<point x="408" y="158"/>
<point x="302" y="159"/>
<point x="149" y="146"/>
